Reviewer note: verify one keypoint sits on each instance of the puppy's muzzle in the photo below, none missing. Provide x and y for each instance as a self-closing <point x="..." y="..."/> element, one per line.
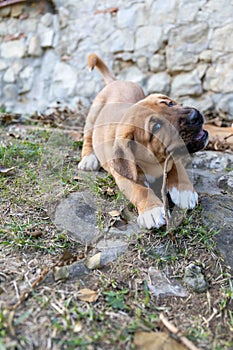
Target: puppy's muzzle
<point x="199" y="137"/>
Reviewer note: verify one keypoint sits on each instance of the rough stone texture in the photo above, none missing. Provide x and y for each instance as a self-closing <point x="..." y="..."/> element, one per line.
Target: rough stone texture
<point x="189" y="43"/>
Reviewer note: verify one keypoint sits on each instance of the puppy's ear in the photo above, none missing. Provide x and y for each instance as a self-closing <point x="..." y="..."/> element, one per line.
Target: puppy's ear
<point x="123" y="160"/>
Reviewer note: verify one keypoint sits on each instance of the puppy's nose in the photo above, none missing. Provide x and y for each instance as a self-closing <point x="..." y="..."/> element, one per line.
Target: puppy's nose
<point x="195" y="117"/>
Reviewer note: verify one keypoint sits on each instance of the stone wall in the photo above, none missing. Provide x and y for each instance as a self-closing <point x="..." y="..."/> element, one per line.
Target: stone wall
<point x="183" y="48"/>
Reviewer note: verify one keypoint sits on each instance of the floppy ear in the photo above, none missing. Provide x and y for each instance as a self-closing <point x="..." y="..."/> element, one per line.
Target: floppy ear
<point x="123" y="160"/>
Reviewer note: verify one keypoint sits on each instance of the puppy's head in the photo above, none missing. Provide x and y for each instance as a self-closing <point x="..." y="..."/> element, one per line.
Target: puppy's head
<point x="154" y="127"/>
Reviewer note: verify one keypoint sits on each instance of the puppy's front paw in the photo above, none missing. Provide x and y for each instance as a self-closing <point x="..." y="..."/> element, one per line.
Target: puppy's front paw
<point x="184" y="199"/>
<point x="154" y="217"/>
<point x="89" y="163"/>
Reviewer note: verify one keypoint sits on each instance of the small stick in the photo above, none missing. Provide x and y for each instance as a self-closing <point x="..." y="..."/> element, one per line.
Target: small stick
<point x="164" y="190"/>
<point x="171" y="328"/>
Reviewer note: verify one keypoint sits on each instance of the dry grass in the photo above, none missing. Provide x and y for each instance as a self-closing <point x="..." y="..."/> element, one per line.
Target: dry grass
<point x="52" y="316"/>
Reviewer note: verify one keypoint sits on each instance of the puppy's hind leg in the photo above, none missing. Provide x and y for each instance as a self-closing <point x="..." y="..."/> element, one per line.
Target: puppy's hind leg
<point x="89" y="161"/>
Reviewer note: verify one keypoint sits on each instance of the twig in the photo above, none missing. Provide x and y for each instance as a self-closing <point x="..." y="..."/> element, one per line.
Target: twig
<point x="171" y="328"/>
<point x="228" y="136"/>
<point x="28" y="291"/>
<point x="164" y="190"/>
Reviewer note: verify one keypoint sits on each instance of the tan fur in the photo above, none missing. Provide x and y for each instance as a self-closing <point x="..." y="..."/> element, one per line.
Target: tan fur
<point x="118" y="132"/>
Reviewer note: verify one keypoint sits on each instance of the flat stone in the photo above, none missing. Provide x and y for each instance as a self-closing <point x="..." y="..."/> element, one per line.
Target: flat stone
<point x="64" y="81"/>
<point x="34" y="48"/>
<point x="132" y="16"/>
<point x="157" y="63"/>
<point x="159" y="83"/>
<point x="160" y="285"/>
<point x="15" y="48"/>
<point x="77" y="214"/>
<point x="3" y="64"/>
<point x="149" y="37"/>
<point x="225" y="107"/>
<point x="46" y="35"/>
<point x="186" y="84"/>
<point x="217" y="214"/>
<point x="9" y="76"/>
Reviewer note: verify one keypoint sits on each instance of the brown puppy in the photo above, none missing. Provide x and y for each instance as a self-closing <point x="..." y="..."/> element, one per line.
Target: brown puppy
<point x="131" y="135"/>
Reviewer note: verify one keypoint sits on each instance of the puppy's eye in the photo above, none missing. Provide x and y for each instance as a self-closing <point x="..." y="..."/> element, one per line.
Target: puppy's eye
<point x="156" y="127"/>
<point x="171" y="104"/>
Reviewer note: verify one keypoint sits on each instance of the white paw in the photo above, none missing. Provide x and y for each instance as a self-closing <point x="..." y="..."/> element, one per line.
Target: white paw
<point x="154" y="217"/>
<point x="89" y="163"/>
<point x="184" y="199"/>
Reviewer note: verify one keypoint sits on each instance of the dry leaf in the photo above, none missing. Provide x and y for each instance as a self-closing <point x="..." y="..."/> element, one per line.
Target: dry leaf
<point x="156" y="341"/>
<point x="87" y="295"/>
<point x="77" y="327"/>
<point x="93" y="262"/>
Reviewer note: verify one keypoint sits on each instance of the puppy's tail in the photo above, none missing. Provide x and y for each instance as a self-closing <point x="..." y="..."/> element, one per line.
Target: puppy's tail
<point x="95" y="61"/>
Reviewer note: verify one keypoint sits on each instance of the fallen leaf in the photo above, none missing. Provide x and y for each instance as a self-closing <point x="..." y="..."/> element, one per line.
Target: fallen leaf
<point x="87" y="295"/>
<point x="77" y="327"/>
<point x="156" y="341"/>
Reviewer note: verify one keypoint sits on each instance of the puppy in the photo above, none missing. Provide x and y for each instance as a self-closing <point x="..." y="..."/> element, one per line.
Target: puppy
<point x="131" y="135"/>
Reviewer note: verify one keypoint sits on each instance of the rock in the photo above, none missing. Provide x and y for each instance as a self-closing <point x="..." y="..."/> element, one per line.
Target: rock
<point x="3" y="64"/>
<point x="222" y="39"/>
<point x="26" y="76"/>
<point x="63" y="16"/>
<point x="217" y="214"/>
<point x="17" y="9"/>
<point x="15" y="48"/>
<point x="194" y="278"/>
<point x="46" y="35"/>
<point x="159" y="82"/>
<point x="34" y="48"/>
<point x="225" y="182"/>
<point x="157" y="63"/>
<point x="160" y="285"/>
<point x="10" y="92"/>
<point x="179" y="60"/>
<point x="132" y="74"/>
<point x="225" y="107"/>
<point x="186" y="84"/>
<point x="217" y="77"/>
<point x="163" y="11"/>
<point x="149" y="37"/>
<point x="217" y="161"/>
<point x="131" y="17"/>
<point x="64" y="81"/>
<point x="47" y="19"/>
<point x="5" y="11"/>
<point x="120" y="40"/>
<point x="9" y="76"/>
<point x="77" y="214"/>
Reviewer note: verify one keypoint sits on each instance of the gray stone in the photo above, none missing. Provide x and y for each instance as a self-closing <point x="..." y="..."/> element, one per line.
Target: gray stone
<point x="217" y="214"/>
<point x="46" y="19"/>
<point x="222" y="39"/>
<point x="225" y="107"/>
<point x="217" y="161"/>
<point x="63" y="16"/>
<point x="163" y="11"/>
<point x="194" y="278"/>
<point x="9" y="76"/>
<point x="46" y="35"/>
<point x="226" y="182"/>
<point x="15" y="48"/>
<point x="161" y="286"/>
<point x="5" y="11"/>
<point x="10" y="92"/>
<point x="149" y="37"/>
<point x="132" y="74"/>
<point x="120" y="40"/>
<point x="186" y="84"/>
<point x="17" y="9"/>
<point x="131" y="17"/>
<point x="77" y="214"/>
<point x="34" y="48"/>
<point x="179" y="59"/>
<point x="157" y="63"/>
<point x="217" y="78"/>
<point x="159" y="82"/>
<point x="26" y="76"/>
<point x="3" y="64"/>
<point x="64" y="81"/>
<point x="3" y="28"/>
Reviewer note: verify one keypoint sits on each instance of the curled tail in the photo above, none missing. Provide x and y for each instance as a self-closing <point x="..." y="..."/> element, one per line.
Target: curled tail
<point x="95" y="61"/>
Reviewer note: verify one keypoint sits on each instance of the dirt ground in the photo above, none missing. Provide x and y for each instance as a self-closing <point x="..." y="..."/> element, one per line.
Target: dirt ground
<point x="108" y="307"/>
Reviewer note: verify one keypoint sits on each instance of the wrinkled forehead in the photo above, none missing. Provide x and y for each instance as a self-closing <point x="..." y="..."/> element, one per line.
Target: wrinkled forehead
<point x="158" y="98"/>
